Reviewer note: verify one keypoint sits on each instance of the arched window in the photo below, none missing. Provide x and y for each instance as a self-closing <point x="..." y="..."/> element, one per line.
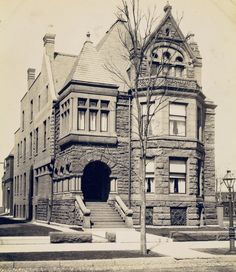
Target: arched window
<point x="154" y="55"/>
<point x="166" y="55"/>
<point x="179" y="59"/>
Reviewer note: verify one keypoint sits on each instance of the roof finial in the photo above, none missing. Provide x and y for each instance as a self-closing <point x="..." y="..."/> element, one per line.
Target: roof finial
<point x="167" y="7"/>
<point x="88" y="36"/>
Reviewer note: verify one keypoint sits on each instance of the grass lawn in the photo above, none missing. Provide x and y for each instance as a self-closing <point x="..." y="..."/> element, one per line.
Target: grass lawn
<point x="72" y="255"/>
<point x="11" y="227"/>
<point x="166" y="232"/>
<point x="25" y="229"/>
<point x="215" y="251"/>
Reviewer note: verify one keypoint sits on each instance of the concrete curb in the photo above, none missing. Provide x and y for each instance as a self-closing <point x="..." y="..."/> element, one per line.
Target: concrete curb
<point x="90" y="265"/>
<point x="121" y="264"/>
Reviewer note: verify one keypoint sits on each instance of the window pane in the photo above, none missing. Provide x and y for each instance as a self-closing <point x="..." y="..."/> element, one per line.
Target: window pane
<point x="104" y="104"/>
<point x="178" y="166"/>
<point x="104" y="121"/>
<point x="177" y="109"/>
<point x="177" y="176"/>
<point x="149" y="184"/>
<point x="181" y="186"/>
<point x="172" y="186"/>
<point x="177" y="128"/>
<point x="92" y="120"/>
<point x="81" y="119"/>
<point x="149" y="166"/>
<point x="93" y="103"/>
<point x="81" y="102"/>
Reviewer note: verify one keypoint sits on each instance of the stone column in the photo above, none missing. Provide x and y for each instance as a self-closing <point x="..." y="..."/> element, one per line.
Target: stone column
<point x="209" y="164"/>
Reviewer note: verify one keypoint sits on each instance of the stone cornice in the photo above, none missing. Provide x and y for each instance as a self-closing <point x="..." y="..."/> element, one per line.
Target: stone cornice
<point x="170" y="83"/>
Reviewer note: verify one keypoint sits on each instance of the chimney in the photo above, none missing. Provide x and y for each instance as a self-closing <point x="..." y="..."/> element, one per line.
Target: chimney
<point x="30" y="76"/>
<point x="49" y="41"/>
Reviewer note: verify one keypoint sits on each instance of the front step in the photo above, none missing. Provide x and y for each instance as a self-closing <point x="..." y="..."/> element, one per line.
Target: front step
<point x="104" y="216"/>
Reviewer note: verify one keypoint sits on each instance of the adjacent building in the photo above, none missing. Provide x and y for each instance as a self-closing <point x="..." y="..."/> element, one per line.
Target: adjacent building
<point x="7" y="184"/>
<point x="77" y="142"/>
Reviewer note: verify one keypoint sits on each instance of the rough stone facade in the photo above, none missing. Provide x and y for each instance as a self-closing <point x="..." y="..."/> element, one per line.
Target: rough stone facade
<point x="83" y="139"/>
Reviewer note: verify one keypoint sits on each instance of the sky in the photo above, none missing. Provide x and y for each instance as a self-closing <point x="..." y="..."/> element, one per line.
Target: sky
<point x="23" y="24"/>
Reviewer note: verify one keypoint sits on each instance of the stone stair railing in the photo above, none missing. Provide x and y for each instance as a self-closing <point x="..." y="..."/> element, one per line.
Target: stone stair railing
<point x="84" y="213"/>
<point x="125" y="213"/>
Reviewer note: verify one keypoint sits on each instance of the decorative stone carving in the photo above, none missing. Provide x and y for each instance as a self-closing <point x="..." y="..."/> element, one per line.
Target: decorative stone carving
<point x="168" y="82"/>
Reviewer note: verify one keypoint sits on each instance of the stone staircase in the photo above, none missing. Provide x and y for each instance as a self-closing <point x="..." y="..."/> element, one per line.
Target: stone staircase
<point x="104" y="216"/>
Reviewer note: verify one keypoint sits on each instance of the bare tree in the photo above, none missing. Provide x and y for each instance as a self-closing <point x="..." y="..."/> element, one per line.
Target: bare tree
<point x="150" y="64"/>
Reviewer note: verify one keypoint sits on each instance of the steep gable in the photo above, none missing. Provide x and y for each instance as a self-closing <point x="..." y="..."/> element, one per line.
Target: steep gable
<point x="169" y="31"/>
<point x="114" y="53"/>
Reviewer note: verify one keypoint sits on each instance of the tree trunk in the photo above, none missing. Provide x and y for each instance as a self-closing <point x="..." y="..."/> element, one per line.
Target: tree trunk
<point x="143" y="245"/>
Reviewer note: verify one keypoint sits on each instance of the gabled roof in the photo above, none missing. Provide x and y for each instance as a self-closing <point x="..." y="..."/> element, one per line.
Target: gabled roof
<point x="61" y="67"/>
<point x="90" y="67"/>
<point x="114" y="53"/>
<point x="175" y="33"/>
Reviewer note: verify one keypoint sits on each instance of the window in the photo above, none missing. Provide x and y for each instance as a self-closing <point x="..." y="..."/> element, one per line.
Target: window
<point x="81" y="119"/>
<point x="177" y="120"/>
<point x="165" y="69"/>
<point x="31" y="145"/>
<point x="93" y="115"/>
<point x="24" y="185"/>
<point x="166" y="56"/>
<point x="39" y="103"/>
<point x="104" y="121"/>
<point x="20" y="186"/>
<point x="177" y="176"/>
<point x="18" y="153"/>
<point x="17" y="185"/>
<point x="23" y="120"/>
<point x="24" y="152"/>
<point x="36" y="186"/>
<point x="44" y="134"/>
<point x="36" y="140"/>
<point x="199" y="123"/>
<point x="149" y="176"/>
<point x="21" y="149"/>
<point x="46" y="94"/>
<point x="150" y="125"/>
<point x="65" y="116"/>
<point x="31" y="110"/>
<point x="92" y="120"/>
<point x="179" y="71"/>
<point x="167" y="32"/>
<point x="199" y="177"/>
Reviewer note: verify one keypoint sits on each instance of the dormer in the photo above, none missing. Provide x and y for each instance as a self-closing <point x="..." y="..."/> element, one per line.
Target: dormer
<point x="170" y="54"/>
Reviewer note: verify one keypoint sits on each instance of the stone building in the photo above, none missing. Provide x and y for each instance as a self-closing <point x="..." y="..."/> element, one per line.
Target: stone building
<point x="7" y="184"/>
<point x="77" y="153"/>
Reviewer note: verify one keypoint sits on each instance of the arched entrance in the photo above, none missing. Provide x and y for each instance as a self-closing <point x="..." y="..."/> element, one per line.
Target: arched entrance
<point x="96" y="182"/>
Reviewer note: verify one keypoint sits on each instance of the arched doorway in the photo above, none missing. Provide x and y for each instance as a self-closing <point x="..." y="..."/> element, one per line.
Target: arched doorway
<point x="96" y="182"/>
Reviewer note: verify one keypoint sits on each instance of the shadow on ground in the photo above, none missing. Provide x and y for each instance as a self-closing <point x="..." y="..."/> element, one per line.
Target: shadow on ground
<point x="12" y="227"/>
<point x="73" y="255"/>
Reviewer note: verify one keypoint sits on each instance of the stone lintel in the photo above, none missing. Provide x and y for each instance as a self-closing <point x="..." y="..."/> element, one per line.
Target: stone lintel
<point x="93" y="139"/>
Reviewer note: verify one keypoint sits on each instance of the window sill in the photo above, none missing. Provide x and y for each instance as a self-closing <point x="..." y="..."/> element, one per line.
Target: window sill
<point x="88" y="138"/>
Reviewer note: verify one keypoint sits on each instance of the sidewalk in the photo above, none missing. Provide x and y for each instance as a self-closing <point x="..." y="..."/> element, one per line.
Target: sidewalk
<point x="178" y="254"/>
